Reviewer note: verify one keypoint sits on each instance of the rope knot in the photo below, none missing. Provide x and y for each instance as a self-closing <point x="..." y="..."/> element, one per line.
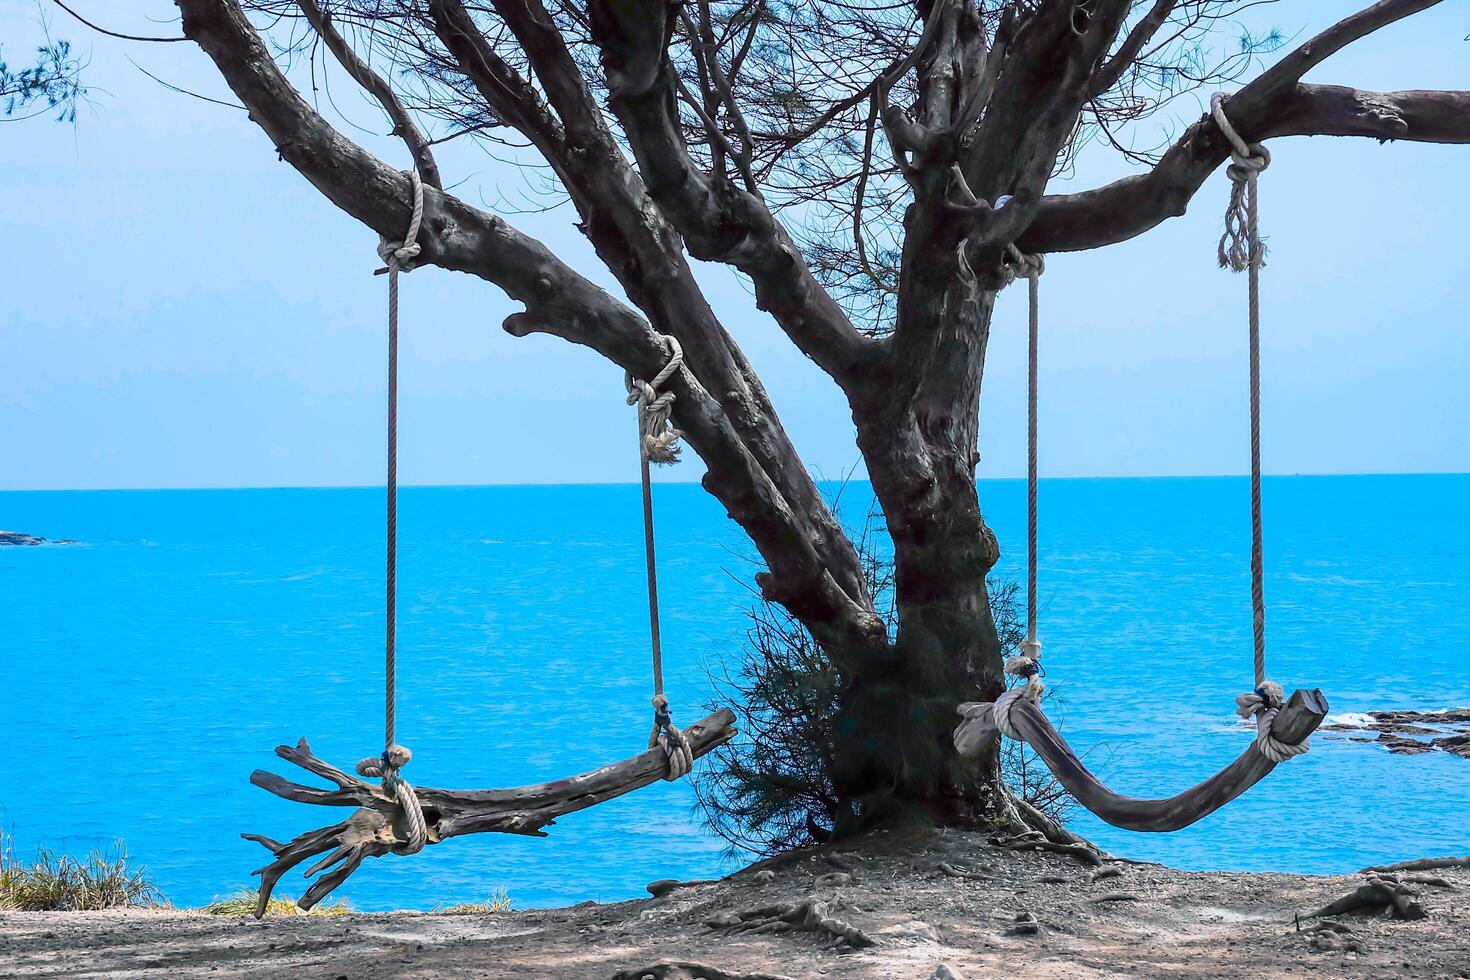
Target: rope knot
<point x="665" y="736"/>
<point x="1241" y="247"/>
<point x="660" y="438"/>
<point x="387" y="767"/>
<point x="1020" y="265"/>
<point x="401" y="254"/>
<point x="1265" y="703"/>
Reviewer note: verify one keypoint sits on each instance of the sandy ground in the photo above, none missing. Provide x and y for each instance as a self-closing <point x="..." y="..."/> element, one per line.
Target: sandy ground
<point x="1144" y="921"/>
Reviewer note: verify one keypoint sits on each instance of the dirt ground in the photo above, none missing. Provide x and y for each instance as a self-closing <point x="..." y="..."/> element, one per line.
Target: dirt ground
<point x="988" y="913"/>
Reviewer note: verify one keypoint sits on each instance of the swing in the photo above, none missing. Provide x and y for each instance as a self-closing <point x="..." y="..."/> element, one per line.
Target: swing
<point x="394" y="817"/>
<point x="1282" y="725"/>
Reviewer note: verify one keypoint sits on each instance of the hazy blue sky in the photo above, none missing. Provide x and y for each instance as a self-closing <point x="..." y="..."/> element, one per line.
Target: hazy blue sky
<point x="177" y="308"/>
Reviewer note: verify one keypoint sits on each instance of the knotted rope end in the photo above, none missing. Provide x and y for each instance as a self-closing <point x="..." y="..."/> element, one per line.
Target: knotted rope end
<point x="666" y="736"/>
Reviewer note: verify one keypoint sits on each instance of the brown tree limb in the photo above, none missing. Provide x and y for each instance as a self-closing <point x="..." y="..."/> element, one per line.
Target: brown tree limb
<point x="1108" y="74"/>
<point x="1131" y="206"/>
<point x="374" y="829"/>
<point x="1274" y="104"/>
<point x="719" y="222"/>
<point x="813" y="569"/>
<point x="404" y="126"/>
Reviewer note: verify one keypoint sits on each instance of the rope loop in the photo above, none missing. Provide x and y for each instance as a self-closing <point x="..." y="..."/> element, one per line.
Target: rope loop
<point x="1028" y="667"/>
<point x="669" y="738"/>
<point x="1240" y="246"/>
<point x="1265" y="703"/>
<point x="660" y="438"/>
<point x="1020" y="265"/>
<point x="387" y="767"/>
<point x="403" y="253"/>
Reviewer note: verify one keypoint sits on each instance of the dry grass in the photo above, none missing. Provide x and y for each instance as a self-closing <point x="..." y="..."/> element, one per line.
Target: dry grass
<point x="499" y="902"/>
<point x="57" y="882"/>
<point x="244" y="902"/>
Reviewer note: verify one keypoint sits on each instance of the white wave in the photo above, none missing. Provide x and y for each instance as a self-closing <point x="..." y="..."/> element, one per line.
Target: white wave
<point x="1354" y="719"/>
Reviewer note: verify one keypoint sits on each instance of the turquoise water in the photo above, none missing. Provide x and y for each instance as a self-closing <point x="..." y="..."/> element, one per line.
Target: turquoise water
<point x="149" y="669"/>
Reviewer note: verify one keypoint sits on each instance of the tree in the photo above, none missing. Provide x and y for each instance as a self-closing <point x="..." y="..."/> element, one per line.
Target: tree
<point x="752" y="133"/>
<point x="52" y="84"/>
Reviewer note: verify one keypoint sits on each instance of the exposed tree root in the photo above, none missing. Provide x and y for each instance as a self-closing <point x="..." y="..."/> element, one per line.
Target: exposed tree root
<point x="1111" y="897"/>
<point x="1421" y="864"/>
<point x="809" y="915"/>
<point x="1034" y="840"/>
<point x="690" y="971"/>
<point x="955" y="871"/>
<point x="1374" y="898"/>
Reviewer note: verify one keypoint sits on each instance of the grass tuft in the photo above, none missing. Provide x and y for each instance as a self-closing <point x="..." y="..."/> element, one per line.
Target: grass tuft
<point x="244" y="902"/>
<point x="58" y="882"/>
<point x="499" y="902"/>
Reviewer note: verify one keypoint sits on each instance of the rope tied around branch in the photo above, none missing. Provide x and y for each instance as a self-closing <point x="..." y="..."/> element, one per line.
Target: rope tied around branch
<point x="669" y="738"/>
<point x="1026" y="666"/>
<point x="660" y="440"/>
<point x="1241" y="247"/>
<point x="403" y="253"/>
<point x="1265" y="702"/>
<point x="388" y="767"/>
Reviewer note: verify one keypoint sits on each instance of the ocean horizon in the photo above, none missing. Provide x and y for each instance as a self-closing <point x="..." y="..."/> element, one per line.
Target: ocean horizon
<point x="157" y="662"/>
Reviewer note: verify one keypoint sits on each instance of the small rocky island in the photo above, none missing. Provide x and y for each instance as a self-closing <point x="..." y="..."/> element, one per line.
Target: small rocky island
<point x="20" y="538"/>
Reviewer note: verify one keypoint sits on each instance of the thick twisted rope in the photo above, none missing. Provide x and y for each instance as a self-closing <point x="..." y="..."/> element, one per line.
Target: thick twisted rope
<point x="1031" y="267"/>
<point x="1241" y="250"/>
<point x="397" y="255"/>
<point x="658" y="443"/>
<point x="387" y="766"/>
<point x="1028" y="664"/>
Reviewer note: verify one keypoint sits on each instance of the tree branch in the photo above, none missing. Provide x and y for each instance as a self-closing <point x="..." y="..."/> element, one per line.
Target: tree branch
<point x="362" y="73"/>
<point x="719" y="222"/>
<point x="813" y="569"/>
<point x="1107" y="76"/>
<point x="1131" y="206"/>
<point x="1274" y="104"/>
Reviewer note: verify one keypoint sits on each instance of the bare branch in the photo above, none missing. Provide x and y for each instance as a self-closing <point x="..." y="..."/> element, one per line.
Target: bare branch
<point x="1107" y="76"/>
<point x="362" y="73"/>
<point x="719" y="222"/>
<point x="1131" y="206"/>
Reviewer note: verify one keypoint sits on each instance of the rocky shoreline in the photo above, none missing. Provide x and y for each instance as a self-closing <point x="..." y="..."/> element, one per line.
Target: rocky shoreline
<point x="1409" y="732"/>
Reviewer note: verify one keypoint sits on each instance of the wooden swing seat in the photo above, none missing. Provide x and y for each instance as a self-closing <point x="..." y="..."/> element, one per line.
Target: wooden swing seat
<point x="1298" y="718"/>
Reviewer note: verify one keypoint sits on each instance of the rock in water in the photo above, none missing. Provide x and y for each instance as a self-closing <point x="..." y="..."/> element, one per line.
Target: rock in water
<point x="1399" y="745"/>
<point x="1456" y="744"/>
<point x="17" y="538"/>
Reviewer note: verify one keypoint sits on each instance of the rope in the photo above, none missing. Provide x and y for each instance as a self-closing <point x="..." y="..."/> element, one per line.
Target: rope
<point x="1031" y="267"/>
<point x="658" y="443"/>
<point x="1241" y="250"/>
<point x="387" y="766"/>
<point x="398" y="255"/>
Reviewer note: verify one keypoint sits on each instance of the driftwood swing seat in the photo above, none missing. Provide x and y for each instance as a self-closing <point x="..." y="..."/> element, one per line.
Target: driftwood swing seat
<point x="379" y="825"/>
<point x="1282" y="725"/>
<point x="394" y="817"/>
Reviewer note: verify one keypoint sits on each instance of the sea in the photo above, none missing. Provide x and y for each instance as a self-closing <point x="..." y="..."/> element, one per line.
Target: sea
<point x="151" y="666"/>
